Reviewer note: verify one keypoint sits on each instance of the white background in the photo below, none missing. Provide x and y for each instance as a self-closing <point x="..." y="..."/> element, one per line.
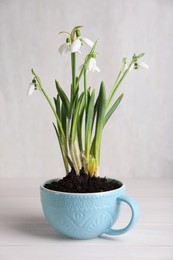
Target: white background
<point x="138" y="141"/>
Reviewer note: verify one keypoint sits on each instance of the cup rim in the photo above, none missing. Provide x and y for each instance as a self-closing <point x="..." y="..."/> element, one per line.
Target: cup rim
<point x="82" y="194"/>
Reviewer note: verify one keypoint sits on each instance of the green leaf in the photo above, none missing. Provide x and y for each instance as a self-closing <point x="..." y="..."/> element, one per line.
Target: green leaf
<point x="79" y="124"/>
<point x="95" y="113"/>
<point x="63" y="32"/>
<point x="63" y="118"/>
<point x="73" y="102"/>
<point x="89" y="123"/>
<point x="95" y="110"/>
<point x="87" y="96"/>
<point x="140" y="55"/>
<point x="64" y="98"/>
<point x="57" y="105"/>
<point x="79" y="129"/>
<point x="63" y="151"/>
<point x="57" y="133"/>
<point x="75" y="118"/>
<point x="112" y="109"/>
<point x="101" y="109"/>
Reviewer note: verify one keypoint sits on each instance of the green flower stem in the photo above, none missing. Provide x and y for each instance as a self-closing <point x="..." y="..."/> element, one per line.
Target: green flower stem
<point x="113" y="90"/>
<point x="85" y="88"/>
<point x="73" y="66"/>
<point x="86" y="103"/>
<point x="117" y="83"/>
<point x="50" y="103"/>
<point x="86" y="63"/>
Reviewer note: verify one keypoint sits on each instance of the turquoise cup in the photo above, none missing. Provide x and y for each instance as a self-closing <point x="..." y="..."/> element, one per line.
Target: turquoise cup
<point x="86" y="215"/>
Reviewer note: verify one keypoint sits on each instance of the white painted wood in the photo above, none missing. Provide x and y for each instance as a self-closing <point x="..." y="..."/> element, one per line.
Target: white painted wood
<point x="25" y="234"/>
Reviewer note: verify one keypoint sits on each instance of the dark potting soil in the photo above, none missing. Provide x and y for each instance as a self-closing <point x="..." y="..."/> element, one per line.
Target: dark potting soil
<point x="82" y="183"/>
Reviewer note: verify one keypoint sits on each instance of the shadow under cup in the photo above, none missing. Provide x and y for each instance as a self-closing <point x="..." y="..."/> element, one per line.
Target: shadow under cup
<point x="86" y="215"/>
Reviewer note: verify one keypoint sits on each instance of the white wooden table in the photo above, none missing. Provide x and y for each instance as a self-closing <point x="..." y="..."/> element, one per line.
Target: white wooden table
<point x="25" y="234"/>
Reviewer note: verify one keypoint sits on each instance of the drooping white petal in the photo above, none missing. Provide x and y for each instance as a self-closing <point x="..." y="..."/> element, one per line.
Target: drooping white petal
<point x="75" y="46"/>
<point x="92" y="65"/>
<point x="143" y="65"/>
<point x="63" y="49"/>
<point x="88" y="42"/>
<point x="31" y="89"/>
<point x="97" y="69"/>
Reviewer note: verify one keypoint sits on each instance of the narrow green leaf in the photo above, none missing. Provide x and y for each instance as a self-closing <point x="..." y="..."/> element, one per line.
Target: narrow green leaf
<point x="79" y="129"/>
<point x="73" y="103"/>
<point x="75" y="118"/>
<point x="87" y="96"/>
<point x="63" y="32"/>
<point x="64" y="98"/>
<point x="140" y="55"/>
<point x="63" y="118"/>
<point x="76" y="93"/>
<point x="79" y="125"/>
<point x="95" y="110"/>
<point x="89" y="123"/>
<point x="101" y="109"/>
<point x="57" y="105"/>
<point x="113" y="108"/>
<point x="56" y="131"/>
<point x="63" y="152"/>
<point x="95" y="113"/>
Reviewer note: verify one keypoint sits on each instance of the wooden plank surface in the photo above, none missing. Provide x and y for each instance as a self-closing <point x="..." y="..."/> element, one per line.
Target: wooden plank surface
<point x="25" y="234"/>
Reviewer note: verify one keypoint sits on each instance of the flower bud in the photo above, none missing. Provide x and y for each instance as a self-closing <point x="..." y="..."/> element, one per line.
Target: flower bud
<point x="93" y="55"/>
<point x="68" y="40"/>
<point x="78" y="34"/>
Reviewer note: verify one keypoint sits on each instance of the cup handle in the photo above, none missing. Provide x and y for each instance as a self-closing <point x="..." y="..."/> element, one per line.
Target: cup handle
<point x="133" y="220"/>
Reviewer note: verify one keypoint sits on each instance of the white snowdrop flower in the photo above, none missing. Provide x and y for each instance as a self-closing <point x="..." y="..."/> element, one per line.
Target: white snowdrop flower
<point x="31" y="89"/>
<point x="92" y="66"/>
<point x="88" y="42"/>
<point x="143" y="65"/>
<point x="75" y="46"/>
<point x="64" y="48"/>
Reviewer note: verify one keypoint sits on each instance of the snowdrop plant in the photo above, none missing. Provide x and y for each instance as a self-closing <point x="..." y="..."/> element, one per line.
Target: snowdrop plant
<point x="81" y="118"/>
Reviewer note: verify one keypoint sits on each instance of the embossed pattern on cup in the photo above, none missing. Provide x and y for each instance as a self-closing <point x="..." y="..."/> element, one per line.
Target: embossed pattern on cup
<point x="82" y="216"/>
